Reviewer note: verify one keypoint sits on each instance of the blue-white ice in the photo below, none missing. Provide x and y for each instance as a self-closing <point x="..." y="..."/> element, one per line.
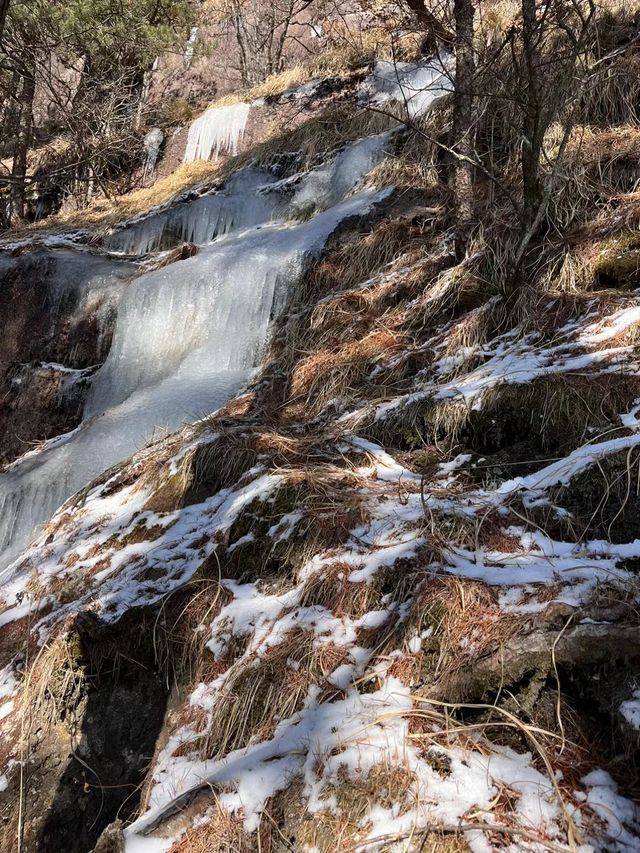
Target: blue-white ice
<point x="414" y="86"/>
<point x="187" y="338"/>
<point x="251" y="197"/>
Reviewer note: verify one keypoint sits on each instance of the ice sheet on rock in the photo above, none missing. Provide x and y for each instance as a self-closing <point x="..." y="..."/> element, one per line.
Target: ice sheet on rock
<point x="72" y="287"/>
<point x="251" y="197"/>
<point x="416" y="86"/>
<point x="326" y="185"/>
<point x="238" y="205"/>
<point x="186" y="339"/>
<point x="219" y="130"/>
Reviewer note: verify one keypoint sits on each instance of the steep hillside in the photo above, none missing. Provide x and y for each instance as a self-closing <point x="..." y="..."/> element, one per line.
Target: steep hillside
<point x="316" y="532"/>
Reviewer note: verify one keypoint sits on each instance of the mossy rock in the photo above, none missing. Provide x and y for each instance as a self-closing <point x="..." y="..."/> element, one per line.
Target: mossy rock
<point x="604" y="500"/>
<point x="554" y="413"/>
<point x="617" y="265"/>
<point x="211" y="467"/>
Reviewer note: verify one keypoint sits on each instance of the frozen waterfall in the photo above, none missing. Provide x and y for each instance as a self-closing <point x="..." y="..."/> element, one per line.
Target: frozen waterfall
<point x="239" y="204"/>
<point x="219" y="130"/>
<point x="249" y="198"/>
<point x="187" y="337"/>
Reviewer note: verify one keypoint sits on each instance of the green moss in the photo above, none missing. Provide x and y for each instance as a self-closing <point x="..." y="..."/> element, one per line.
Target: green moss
<point x="617" y="264"/>
<point x="212" y="466"/>
<point x="604" y="500"/>
<point x="555" y="413"/>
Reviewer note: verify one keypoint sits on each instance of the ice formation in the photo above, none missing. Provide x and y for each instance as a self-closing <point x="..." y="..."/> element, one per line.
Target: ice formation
<point x="219" y="130"/>
<point x="186" y="339"/>
<point x="238" y="205"/>
<point x="249" y="198"/>
<point x="152" y="144"/>
<point x="416" y="86"/>
<point x="190" y="47"/>
<point x="71" y="288"/>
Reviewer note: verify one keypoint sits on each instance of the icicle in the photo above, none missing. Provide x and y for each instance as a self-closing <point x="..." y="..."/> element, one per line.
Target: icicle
<point x="251" y="197"/>
<point x="217" y="131"/>
<point x="188" y="335"/>
<point x="240" y="204"/>
<point x="151" y="145"/>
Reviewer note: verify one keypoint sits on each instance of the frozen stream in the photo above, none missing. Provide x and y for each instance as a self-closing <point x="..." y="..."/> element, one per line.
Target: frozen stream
<point x="186" y="339"/>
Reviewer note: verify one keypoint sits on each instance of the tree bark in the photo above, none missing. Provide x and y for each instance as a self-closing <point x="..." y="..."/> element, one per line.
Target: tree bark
<point x="22" y="143"/>
<point x="4" y="8"/>
<point x="533" y="122"/>
<point x="462" y="143"/>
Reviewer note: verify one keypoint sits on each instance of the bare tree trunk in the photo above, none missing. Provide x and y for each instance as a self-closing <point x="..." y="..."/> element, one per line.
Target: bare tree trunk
<point x="462" y="143"/>
<point x="22" y="143"/>
<point x="533" y="124"/>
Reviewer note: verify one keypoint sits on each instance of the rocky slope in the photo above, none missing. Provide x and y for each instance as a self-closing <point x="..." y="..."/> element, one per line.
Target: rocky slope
<point x="385" y="596"/>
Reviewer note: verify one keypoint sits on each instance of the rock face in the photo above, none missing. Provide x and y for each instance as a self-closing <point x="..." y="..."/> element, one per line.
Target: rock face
<point x="38" y="402"/>
<point x="59" y="308"/>
<point x="89" y="768"/>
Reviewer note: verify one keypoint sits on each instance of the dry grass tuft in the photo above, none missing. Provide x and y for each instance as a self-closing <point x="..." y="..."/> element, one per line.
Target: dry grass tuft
<point x="464" y="621"/>
<point x="355" y="260"/>
<point x="331" y="374"/>
<point x="182" y="629"/>
<point x="220" y="833"/>
<point x="105" y="213"/>
<point x="332" y="504"/>
<point x="56" y="680"/>
<point x="353" y="48"/>
<point x="418" y="164"/>
<point x="331" y="588"/>
<point x="274" y="85"/>
<point x="259" y="692"/>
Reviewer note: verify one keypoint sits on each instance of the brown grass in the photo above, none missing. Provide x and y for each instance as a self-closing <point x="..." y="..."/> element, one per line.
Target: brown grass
<point x="222" y="833"/>
<point x="258" y="692"/>
<point x="331" y="588"/>
<point x="104" y="213"/>
<point x="465" y="619"/>
<point x="332" y="502"/>
<point x="328" y="374"/>
<point x="55" y="681"/>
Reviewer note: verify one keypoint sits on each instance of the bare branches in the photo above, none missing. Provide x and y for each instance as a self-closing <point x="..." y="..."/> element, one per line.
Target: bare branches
<point x="261" y="32"/>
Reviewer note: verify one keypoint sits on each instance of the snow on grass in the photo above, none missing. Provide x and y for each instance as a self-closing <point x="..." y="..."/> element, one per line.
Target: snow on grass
<point x="519" y="358"/>
<point x="348" y="736"/>
<point x="630" y="710"/>
<point x="90" y="548"/>
<point x="327" y="742"/>
<point x="329" y="745"/>
<point x="620" y="816"/>
<point x="342" y="730"/>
